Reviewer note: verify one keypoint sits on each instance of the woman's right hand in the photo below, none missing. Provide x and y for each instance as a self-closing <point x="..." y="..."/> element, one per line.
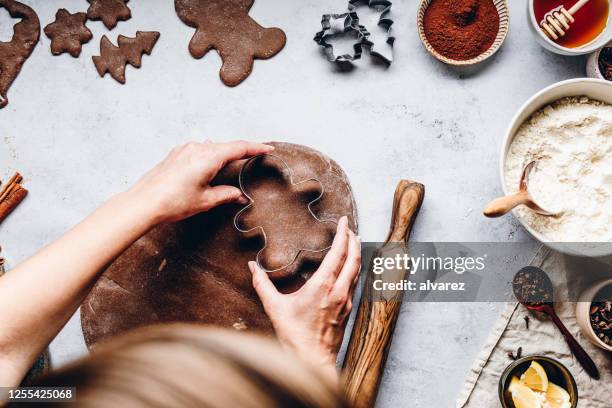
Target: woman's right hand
<point x="179" y="186"/>
<point x="311" y="321"/>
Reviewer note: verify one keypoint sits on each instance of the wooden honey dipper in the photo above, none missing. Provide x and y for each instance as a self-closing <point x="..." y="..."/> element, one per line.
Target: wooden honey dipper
<point x="557" y="21"/>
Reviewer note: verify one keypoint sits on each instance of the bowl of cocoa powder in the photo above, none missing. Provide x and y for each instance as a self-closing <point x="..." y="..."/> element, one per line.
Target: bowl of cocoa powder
<point x="463" y="32"/>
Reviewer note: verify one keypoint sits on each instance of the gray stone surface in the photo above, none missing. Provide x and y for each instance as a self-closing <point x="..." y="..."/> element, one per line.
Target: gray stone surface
<point x="79" y="138"/>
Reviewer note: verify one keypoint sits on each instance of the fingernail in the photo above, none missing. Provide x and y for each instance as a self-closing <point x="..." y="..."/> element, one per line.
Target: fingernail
<point x="269" y="148"/>
<point x="242" y="200"/>
<point x="252" y="266"/>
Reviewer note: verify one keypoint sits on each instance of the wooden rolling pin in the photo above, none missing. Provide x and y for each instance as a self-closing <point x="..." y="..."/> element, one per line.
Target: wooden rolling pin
<point x="375" y="321"/>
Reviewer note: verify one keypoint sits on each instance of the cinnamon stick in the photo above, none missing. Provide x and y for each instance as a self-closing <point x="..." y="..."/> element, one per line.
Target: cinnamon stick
<point x="12" y="200"/>
<point x="16" y="179"/>
<point x="11" y="195"/>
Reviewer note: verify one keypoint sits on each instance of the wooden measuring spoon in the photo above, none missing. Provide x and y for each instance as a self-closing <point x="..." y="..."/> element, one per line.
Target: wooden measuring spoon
<point x="534" y="290"/>
<point x="557" y="21"/>
<point x="503" y="205"/>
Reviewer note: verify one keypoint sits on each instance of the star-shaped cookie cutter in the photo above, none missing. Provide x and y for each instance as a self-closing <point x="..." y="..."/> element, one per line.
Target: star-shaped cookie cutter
<point x="298" y="251"/>
<point x="350" y="22"/>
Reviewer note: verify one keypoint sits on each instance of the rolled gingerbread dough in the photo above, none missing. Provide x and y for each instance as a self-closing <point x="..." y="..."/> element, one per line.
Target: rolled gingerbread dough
<point x="196" y="270"/>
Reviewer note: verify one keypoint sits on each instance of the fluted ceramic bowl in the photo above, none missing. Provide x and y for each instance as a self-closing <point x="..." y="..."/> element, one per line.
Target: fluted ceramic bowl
<point x="504" y="24"/>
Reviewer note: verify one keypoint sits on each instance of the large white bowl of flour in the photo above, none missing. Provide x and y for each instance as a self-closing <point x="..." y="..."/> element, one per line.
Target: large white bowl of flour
<point x="567" y="128"/>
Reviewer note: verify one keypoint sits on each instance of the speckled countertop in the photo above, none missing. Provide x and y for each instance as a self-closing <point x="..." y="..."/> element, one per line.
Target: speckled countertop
<point x="78" y="139"/>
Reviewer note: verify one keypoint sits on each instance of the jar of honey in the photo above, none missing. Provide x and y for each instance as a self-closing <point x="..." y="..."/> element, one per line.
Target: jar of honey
<point x="590" y="21"/>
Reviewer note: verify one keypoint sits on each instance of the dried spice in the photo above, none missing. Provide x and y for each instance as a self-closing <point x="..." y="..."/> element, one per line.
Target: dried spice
<point x="601" y="315"/>
<point x="518" y="355"/>
<point x="605" y="63"/>
<point x="461" y="29"/>
<point x="532" y="287"/>
<point x="527" y="319"/>
<point x="11" y="195"/>
<point x="2" y="267"/>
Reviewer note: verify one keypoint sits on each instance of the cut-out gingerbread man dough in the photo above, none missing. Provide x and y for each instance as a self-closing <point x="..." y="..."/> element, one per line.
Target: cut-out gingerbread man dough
<point x="280" y="210"/>
<point x="109" y="11"/>
<point x="13" y="54"/>
<point x="68" y="32"/>
<point x="225" y="25"/>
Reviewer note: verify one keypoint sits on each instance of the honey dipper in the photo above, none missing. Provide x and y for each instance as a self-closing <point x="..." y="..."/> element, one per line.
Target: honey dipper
<point x="557" y="21"/>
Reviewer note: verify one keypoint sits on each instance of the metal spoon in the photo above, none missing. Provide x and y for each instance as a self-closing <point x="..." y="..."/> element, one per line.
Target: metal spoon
<point x="534" y="290"/>
<point x="503" y="205"/>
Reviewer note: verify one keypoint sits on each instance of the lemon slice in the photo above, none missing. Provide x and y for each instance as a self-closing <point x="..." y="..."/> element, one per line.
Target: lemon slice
<point x="557" y="397"/>
<point x="524" y="397"/>
<point x="535" y="377"/>
<point x="513" y="383"/>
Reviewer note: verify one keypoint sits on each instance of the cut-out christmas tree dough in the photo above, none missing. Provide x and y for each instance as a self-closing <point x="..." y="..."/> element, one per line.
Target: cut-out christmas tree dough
<point x="14" y="53"/>
<point x="196" y="270"/>
<point x="68" y="32"/>
<point x="225" y="25"/>
<point x="109" y="11"/>
<point x="281" y="211"/>
<point x="113" y="59"/>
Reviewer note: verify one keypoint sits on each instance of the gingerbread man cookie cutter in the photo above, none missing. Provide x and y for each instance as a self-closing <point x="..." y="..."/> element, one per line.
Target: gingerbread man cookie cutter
<point x="336" y="25"/>
<point x="297" y="251"/>
<point x="384" y="21"/>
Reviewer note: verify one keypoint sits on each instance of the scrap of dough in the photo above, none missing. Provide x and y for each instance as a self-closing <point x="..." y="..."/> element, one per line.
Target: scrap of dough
<point x="13" y="54"/>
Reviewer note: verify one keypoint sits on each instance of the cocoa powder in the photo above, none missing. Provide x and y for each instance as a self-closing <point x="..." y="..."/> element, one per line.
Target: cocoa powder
<point x="461" y="29"/>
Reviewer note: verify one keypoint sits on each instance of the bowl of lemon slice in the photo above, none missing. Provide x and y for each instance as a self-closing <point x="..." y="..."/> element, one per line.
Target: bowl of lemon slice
<point x="537" y="382"/>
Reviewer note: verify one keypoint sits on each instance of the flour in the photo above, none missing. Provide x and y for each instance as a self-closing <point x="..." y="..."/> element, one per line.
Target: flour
<point x="571" y="140"/>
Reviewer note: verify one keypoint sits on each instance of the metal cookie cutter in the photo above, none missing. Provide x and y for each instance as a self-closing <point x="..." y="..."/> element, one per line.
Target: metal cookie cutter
<point x="298" y="251"/>
<point x="350" y="24"/>
<point x="384" y="21"/>
<point x="337" y="25"/>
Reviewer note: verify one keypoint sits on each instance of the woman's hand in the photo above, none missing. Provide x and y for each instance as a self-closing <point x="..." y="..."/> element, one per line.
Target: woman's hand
<point x="179" y="186"/>
<point x="311" y="321"/>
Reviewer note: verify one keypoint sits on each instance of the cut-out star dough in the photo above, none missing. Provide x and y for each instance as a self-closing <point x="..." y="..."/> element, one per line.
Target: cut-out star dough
<point x="14" y="53"/>
<point x="225" y="25"/>
<point x="109" y="11"/>
<point x="68" y="32"/>
<point x="113" y="59"/>
<point x="281" y="210"/>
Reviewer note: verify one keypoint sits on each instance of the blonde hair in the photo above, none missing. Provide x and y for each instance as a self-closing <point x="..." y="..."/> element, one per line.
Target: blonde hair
<point x="190" y="366"/>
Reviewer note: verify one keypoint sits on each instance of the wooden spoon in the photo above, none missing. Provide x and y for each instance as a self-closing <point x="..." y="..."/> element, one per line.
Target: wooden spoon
<point x="503" y="205"/>
<point x="534" y="290"/>
<point x="557" y="21"/>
